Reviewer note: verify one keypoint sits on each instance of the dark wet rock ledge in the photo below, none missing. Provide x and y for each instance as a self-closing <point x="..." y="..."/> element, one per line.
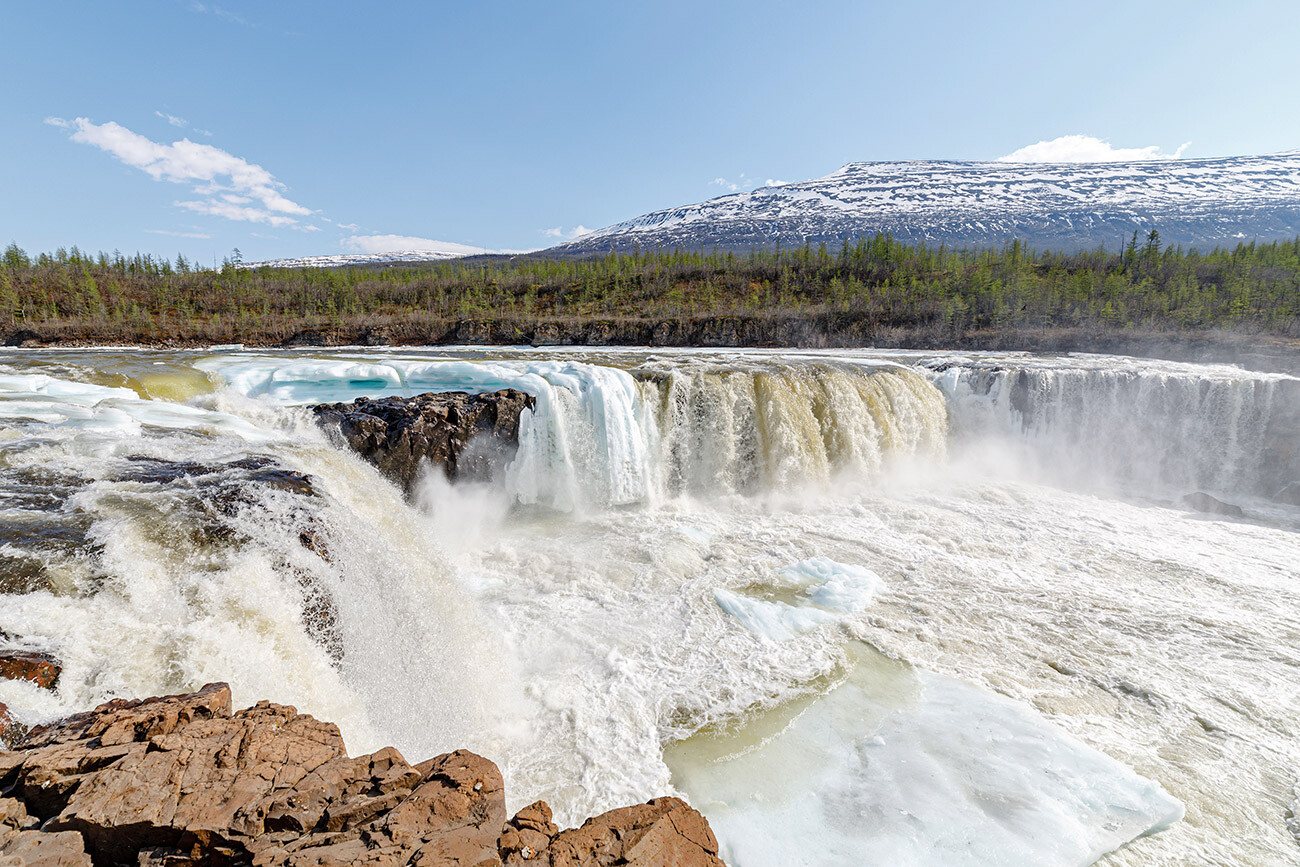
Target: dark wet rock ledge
<point x="182" y="780"/>
<point x="469" y="436"/>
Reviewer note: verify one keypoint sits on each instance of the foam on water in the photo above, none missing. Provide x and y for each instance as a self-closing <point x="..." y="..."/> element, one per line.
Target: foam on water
<point x="825" y="591"/>
<point x="575" y="647"/>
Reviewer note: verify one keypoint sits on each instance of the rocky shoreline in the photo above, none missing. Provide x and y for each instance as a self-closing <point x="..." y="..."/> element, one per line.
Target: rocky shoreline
<point x="184" y="780"/>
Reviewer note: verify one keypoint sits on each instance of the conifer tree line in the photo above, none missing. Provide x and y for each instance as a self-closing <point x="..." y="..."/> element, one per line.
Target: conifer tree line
<point x="1253" y="287"/>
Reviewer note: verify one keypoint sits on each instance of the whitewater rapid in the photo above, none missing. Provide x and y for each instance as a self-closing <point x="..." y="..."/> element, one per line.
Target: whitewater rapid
<point x="877" y="608"/>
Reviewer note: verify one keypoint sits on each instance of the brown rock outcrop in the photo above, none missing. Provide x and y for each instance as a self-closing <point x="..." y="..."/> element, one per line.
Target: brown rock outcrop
<point x="659" y="833"/>
<point x="39" y="668"/>
<point x="183" y="780"/>
<point x="470" y="436"/>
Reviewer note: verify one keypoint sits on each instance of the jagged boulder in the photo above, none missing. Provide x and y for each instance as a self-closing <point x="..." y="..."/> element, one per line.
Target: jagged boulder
<point x="470" y="436"/>
<point x="664" y="832"/>
<point x="182" y="780"/>
<point x="41" y="669"/>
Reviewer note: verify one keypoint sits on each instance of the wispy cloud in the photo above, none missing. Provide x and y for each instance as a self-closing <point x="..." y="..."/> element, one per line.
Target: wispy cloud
<point x="735" y="186"/>
<point x="567" y="234"/>
<point x="57" y="121"/>
<point x="775" y="183"/>
<point x="177" y="234"/>
<point x="1086" y="149"/>
<point x="172" y="119"/>
<point x="229" y="186"/>
<point x="210" y="9"/>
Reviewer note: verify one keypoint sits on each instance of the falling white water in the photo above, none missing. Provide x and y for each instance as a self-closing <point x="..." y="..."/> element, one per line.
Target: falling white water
<point x="777" y="583"/>
<point x="1154" y="427"/>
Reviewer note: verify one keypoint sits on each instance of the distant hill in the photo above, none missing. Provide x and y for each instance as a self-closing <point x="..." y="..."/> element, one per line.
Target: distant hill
<point x="1201" y="202"/>
<point x="341" y="259"/>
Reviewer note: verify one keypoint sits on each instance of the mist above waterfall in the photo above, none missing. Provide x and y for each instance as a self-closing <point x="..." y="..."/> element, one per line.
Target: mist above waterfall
<point x="689" y="550"/>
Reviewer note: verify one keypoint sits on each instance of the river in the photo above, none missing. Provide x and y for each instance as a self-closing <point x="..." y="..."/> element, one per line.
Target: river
<point x="857" y="607"/>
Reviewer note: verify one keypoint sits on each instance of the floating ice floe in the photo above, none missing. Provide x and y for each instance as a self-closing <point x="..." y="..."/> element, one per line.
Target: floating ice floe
<point x="898" y="767"/>
<point x="85" y="406"/>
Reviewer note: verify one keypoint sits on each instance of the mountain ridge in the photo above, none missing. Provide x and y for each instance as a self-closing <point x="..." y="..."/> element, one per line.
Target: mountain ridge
<point x="1203" y="201"/>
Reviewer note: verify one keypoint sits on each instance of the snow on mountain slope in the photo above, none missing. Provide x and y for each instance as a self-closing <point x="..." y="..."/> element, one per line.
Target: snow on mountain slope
<point x="341" y="259"/>
<point x="1059" y="205"/>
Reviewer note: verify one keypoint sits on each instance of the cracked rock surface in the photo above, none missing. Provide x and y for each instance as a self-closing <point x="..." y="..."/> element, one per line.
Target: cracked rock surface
<point x="184" y="780"/>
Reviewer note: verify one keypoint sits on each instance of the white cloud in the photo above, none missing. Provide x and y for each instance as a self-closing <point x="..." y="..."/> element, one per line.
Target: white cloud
<point x="406" y="244"/>
<point x="733" y="186"/>
<point x="58" y="121"/>
<point x="229" y="211"/>
<point x="172" y="119"/>
<point x="177" y="234"/>
<point x="569" y="234"/>
<point x="744" y="183"/>
<point x="234" y="188"/>
<point x="1086" y="149"/>
<point x="350" y="227"/>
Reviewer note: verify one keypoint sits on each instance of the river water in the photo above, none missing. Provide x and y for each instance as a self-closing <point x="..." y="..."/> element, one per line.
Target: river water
<point x="857" y="607"/>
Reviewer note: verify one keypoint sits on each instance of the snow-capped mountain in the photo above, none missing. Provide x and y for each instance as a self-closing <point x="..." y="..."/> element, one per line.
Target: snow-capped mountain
<point x="342" y="259"/>
<point x="1058" y="205"/>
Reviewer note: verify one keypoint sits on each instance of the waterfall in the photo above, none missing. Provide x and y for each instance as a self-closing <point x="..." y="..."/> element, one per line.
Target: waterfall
<point x="740" y="431"/>
<point x="594" y="618"/>
<point x="1147" y="427"/>
<point x="608" y="436"/>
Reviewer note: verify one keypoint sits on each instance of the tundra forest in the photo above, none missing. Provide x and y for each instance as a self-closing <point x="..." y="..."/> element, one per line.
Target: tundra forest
<point x="872" y="290"/>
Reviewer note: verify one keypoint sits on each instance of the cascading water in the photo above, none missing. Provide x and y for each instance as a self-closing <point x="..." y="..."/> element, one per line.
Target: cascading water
<point x="1150" y="428"/>
<point x="607" y="436"/>
<point x="783" y="584"/>
<point x="743" y="431"/>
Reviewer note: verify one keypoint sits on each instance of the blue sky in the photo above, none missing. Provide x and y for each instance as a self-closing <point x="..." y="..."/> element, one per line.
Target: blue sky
<point x="324" y="127"/>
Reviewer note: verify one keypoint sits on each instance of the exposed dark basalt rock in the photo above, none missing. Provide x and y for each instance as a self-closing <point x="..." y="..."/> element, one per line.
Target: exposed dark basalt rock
<point x="183" y="780"/>
<point x="23" y="337"/>
<point x="306" y="337"/>
<point x="470" y="436"/>
<point x="1203" y="502"/>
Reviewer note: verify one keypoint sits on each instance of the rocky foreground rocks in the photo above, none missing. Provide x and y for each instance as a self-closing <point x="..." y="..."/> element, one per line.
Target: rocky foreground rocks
<point x="469" y="436"/>
<point x="182" y="780"/>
